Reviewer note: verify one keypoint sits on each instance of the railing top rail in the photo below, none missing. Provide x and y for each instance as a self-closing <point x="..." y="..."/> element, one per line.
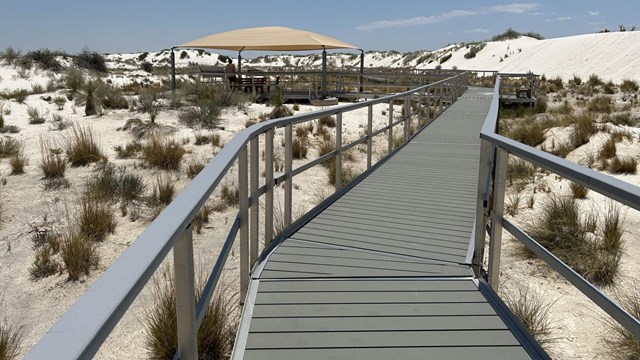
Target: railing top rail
<point x="82" y="329"/>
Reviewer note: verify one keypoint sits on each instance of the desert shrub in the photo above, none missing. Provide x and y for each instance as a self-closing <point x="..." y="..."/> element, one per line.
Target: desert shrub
<point x="328" y="121"/>
<point x="618" y="135"/>
<point x="325" y="147"/>
<point x="347" y="174"/>
<point x="146" y="66"/>
<point x="474" y="50"/>
<point x="578" y="191"/>
<point x="300" y="148"/>
<point x="131" y="188"/>
<point x="445" y="58"/>
<point x="17" y="163"/>
<point x="201" y="139"/>
<point x="623" y="118"/>
<point x="78" y="254"/>
<point x="44" y="264"/>
<point x="52" y="163"/>
<point x="533" y="311"/>
<point x="541" y="105"/>
<point x="519" y="171"/>
<point x="623" y="165"/>
<point x="96" y="219"/>
<point x="34" y="116"/>
<point x="577" y="80"/>
<point x="277" y="99"/>
<point x="10" y="341"/>
<point x="104" y="185"/>
<point x="10" y="147"/>
<point x="74" y="79"/>
<point x="583" y="128"/>
<point x="37" y="88"/>
<point x="205" y="114"/>
<point x="628" y="86"/>
<point x="60" y="101"/>
<point x="609" y="88"/>
<point x="560" y="228"/>
<point x="194" y="167"/>
<point x="612" y="228"/>
<point x="608" y="150"/>
<point x="129" y="150"/>
<point x="215" y="335"/>
<point x="202" y="218"/>
<point x="111" y="97"/>
<point x="81" y="146"/>
<point x="10" y="55"/>
<point x="162" y="193"/>
<point x="163" y="153"/>
<point x="622" y="344"/>
<point x="216" y="140"/>
<point x="556" y="84"/>
<point x="230" y="194"/>
<point x="91" y="60"/>
<point x="20" y="95"/>
<point x="594" y="80"/>
<point x="45" y="58"/>
<point x="528" y="131"/>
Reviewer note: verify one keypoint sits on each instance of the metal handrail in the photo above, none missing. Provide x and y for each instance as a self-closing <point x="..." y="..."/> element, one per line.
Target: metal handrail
<point x="84" y="327"/>
<point x="608" y="186"/>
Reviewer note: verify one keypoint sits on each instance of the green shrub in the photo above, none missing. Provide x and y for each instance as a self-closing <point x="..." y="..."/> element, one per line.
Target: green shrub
<point x="96" y="219"/>
<point x="629" y="86"/>
<point x="44" y="264"/>
<point x="10" y="55"/>
<point x="78" y="254"/>
<point x="45" y="58"/>
<point x="52" y="163"/>
<point x="474" y="50"/>
<point x="445" y="58"/>
<point x="130" y="150"/>
<point x="594" y="80"/>
<point x="528" y="131"/>
<point x="328" y="121"/>
<point x="623" y="118"/>
<point x="91" y="60"/>
<point x="34" y="116"/>
<point x="205" y="114"/>
<point x="74" y="79"/>
<point x="230" y="194"/>
<point x="20" y="95"/>
<point x="519" y="171"/>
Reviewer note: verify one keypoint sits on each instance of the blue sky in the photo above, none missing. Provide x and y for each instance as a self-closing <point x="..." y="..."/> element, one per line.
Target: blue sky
<point x="402" y="25"/>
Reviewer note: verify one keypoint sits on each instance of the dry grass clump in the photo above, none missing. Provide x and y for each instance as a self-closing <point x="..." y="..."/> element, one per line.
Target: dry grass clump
<point x="300" y="148"/>
<point x="328" y="121"/>
<point x="216" y="334"/>
<point x="583" y="128"/>
<point x="46" y="244"/>
<point x="621" y="118"/>
<point x="202" y="218"/>
<point x="10" y="341"/>
<point x="111" y="184"/>
<point x="533" y="311"/>
<point x="608" y="150"/>
<point x="52" y="164"/>
<point x="600" y="104"/>
<point x="10" y="147"/>
<point x="519" y="171"/>
<point x="17" y="163"/>
<point x="35" y="117"/>
<point x="78" y="253"/>
<point x="96" y="219"/>
<point x="230" y="194"/>
<point x="622" y="165"/>
<point x="163" y="153"/>
<point x="629" y="86"/>
<point x="129" y="150"/>
<point x="162" y="194"/>
<point x="622" y="344"/>
<point x="202" y="139"/>
<point x="578" y="191"/>
<point x="194" y="166"/>
<point x="205" y="114"/>
<point x="81" y="146"/>
<point x="528" y="131"/>
<point x="347" y="174"/>
<point x="560" y="228"/>
<point x="618" y="135"/>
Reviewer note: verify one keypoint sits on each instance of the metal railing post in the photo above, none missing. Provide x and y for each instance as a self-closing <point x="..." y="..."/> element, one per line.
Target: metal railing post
<point x="268" y="195"/>
<point x="369" y="136"/>
<point x="481" y="207"/>
<point x="407" y="117"/>
<point x="288" y="182"/>
<point x="390" y="126"/>
<point x="255" y="202"/>
<point x="495" y="239"/>
<point x="338" y="159"/>
<point x="185" y="296"/>
<point x="243" y="215"/>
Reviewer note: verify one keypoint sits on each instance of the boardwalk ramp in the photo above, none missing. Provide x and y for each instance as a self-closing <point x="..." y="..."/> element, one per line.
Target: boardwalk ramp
<point x="384" y="271"/>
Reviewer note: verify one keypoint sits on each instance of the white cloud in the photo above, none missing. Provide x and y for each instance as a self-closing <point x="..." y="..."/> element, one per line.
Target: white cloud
<point x="594" y="13"/>
<point x="514" y="8"/>
<point x="478" y="31"/>
<point x="562" y="18"/>
<point x="537" y="13"/>
<point x="593" y="23"/>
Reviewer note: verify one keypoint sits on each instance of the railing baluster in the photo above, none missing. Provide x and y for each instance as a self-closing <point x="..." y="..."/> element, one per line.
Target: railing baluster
<point x="390" y="126"/>
<point x="369" y="136"/>
<point x="481" y="207"/>
<point x="255" y="202"/>
<point x="185" y="296"/>
<point x="288" y="183"/>
<point x="495" y="239"/>
<point x="407" y="117"/>
<point x="338" y="159"/>
<point x="268" y="196"/>
<point x="243" y="214"/>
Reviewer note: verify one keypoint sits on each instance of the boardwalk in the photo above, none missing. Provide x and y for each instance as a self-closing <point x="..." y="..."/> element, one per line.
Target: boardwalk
<point x="384" y="271"/>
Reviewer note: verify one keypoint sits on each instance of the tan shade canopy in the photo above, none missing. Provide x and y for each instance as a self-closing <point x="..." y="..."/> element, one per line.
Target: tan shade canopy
<point x="272" y="38"/>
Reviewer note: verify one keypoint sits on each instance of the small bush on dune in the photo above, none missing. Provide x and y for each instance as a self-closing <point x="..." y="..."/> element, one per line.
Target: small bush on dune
<point x="10" y="341"/>
<point x="528" y="131"/>
<point x="78" y="253"/>
<point x="205" y="114"/>
<point x="623" y="165"/>
<point x="43" y="265"/>
<point x="111" y="97"/>
<point x="520" y="171"/>
<point x="52" y="164"/>
<point x="230" y="194"/>
<point x="34" y="116"/>
<point x="299" y="148"/>
<point x="629" y="86"/>
<point x="346" y="175"/>
<point x="10" y="147"/>
<point x="91" y="60"/>
<point x="18" y="162"/>
<point x="328" y="121"/>
<point x="594" y="80"/>
<point x="161" y="194"/>
<point x="81" y="146"/>
<point x="20" y="95"/>
<point x="96" y="219"/>
<point x="74" y="79"/>
<point x="534" y="313"/>
<point x="216" y="334"/>
<point x="623" y="118"/>
<point x="583" y="128"/>
<point x="45" y="58"/>
<point x="194" y="167"/>
<point x="608" y="150"/>
<point x="10" y="55"/>
<point x="129" y="150"/>
<point x="578" y="191"/>
<point x="600" y="104"/>
<point x="326" y="147"/>
<point x="163" y="153"/>
<point x="619" y="135"/>
<point x="623" y="344"/>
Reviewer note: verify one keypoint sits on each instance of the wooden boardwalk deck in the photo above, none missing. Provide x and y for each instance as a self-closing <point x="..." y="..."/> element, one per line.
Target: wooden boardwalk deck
<point x="383" y="272"/>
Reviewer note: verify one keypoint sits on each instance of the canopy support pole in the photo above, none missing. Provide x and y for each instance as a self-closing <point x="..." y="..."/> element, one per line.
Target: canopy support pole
<point x="173" y="71"/>
<point x="240" y="63"/>
<point x="324" y="72"/>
